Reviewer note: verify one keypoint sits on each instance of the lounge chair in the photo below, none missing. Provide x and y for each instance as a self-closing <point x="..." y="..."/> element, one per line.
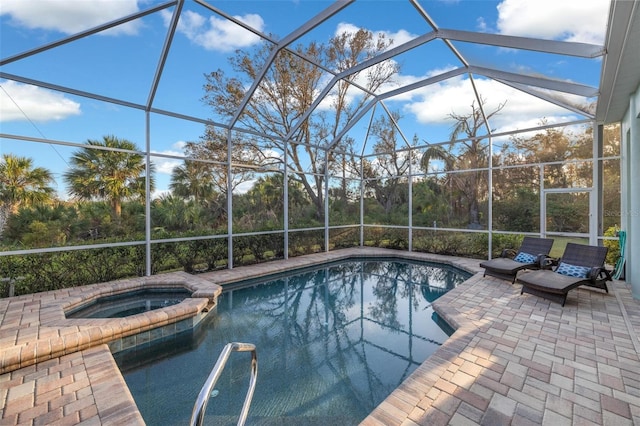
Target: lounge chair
<point x="579" y="265"/>
<point x="532" y="252"/>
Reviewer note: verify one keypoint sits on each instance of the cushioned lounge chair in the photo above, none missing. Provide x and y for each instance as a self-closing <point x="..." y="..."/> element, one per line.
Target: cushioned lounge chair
<point x="579" y="265"/>
<point x="532" y="252"/>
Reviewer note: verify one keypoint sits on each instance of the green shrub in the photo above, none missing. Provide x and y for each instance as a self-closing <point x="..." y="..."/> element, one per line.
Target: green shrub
<point x="505" y="241"/>
<point x="33" y="273"/>
<point x="614" y="246"/>
<point x="464" y="244"/>
<point x="305" y="242"/>
<point x="344" y="238"/>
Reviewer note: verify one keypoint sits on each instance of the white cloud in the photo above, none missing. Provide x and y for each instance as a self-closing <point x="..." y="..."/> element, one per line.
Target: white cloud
<point x="163" y="170"/>
<point x="160" y="193"/>
<point x="218" y="33"/>
<point x="22" y="102"/>
<point x="570" y="20"/>
<point x="434" y="103"/>
<point x="481" y="24"/>
<point x="403" y="80"/>
<point x="244" y="187"/>
<point x="71" y="16"/>
<point x="398" y="37"/>
<point x="166" y="165"/>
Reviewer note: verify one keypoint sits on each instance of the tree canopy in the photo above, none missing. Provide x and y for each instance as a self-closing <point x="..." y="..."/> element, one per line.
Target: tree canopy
<point x="109" y="169"/>
<point x="287" y="92"/>
<point x="22" y="185"/>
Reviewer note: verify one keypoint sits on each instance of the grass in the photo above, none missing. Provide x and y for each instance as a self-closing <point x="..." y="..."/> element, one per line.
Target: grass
<point x="560" y="243"/>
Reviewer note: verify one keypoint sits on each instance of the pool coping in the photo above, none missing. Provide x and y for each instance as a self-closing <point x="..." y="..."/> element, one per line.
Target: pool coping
<point x="229" y="276"/>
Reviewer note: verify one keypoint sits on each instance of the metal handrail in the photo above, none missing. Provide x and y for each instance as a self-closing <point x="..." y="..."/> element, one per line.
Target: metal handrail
<point x="199" y="408"/>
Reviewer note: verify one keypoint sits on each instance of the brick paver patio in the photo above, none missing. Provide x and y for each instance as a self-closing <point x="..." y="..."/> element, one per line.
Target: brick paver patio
<point x="514" y="359"/>
<point x="521" y="360"/>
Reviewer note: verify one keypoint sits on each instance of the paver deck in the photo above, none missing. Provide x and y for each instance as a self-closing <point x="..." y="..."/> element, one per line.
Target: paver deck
<point x="514" y="359"/>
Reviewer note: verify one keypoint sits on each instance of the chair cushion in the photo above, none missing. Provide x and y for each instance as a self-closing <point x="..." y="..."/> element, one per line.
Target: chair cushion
<point x="523" y="257"/>
<point x="573" y="270"/>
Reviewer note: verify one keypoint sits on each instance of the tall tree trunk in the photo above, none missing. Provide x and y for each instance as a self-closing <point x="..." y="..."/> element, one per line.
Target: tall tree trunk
<point x="117" y="208"/>
<point x="5" y="212"/>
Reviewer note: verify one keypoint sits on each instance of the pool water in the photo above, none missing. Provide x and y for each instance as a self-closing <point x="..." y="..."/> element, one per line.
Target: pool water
<point x="129" y="303"/>
<point x="332" y="343"/>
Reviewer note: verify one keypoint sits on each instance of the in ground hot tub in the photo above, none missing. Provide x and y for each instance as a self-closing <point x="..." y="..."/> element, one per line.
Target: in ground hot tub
<point x="131" y="302"/>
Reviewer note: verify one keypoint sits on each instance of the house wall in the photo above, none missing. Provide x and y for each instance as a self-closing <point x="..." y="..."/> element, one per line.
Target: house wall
<point x="630" y="214"/>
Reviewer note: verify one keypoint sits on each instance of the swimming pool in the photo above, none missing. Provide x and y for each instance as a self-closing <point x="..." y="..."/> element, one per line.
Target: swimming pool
<point x="332" y="343"/>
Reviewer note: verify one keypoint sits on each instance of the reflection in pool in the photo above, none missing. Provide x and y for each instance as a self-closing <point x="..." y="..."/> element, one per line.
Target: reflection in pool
<point x="332" y="343"/>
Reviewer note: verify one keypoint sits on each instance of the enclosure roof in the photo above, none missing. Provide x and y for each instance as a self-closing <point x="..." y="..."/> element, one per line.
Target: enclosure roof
<point x="548" y="60"/>
<point x="621" y="66"/>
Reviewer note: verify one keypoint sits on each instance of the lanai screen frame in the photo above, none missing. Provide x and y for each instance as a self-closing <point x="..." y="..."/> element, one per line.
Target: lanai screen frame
<point x="522" y="82"/>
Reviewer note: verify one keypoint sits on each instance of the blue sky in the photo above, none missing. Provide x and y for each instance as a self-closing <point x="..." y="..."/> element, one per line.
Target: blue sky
<point x="120" y="63"/>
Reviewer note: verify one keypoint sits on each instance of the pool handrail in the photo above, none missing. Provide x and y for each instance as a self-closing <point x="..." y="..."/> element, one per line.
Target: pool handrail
<point x="200" y="407"/>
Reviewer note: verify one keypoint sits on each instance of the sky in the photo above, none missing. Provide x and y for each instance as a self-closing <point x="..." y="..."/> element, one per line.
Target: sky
<point x="122" y="61"/>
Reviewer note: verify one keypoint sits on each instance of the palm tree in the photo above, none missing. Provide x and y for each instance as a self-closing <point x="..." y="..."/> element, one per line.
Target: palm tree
<point x="473" y="155"/>
<point x="104" y="170"/>
<point x="267" y="194"/>
<point x="22" y="185"/>
<point x="193" y="180"/>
